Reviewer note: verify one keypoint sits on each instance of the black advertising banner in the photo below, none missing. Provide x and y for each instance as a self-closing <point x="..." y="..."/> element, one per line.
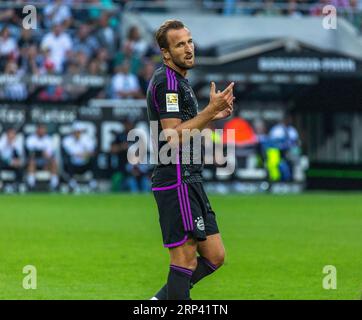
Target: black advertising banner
<point x="280" y="66"/>
<point x="102" y="123"/>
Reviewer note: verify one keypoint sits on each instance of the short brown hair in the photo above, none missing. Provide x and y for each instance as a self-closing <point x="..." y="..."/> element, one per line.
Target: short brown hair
<point x="161" y="34"/>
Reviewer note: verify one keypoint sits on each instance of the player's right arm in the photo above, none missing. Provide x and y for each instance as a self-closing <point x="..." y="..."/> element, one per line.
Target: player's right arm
<point x="219" y="101"/>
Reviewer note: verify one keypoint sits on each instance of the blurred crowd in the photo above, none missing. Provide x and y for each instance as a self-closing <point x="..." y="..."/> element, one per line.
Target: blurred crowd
<point x="70" y="42"/>
<point x="91" y="41"/>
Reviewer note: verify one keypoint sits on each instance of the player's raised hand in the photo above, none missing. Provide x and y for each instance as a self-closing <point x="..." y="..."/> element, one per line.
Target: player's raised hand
<point x="225" y="113"/>
<point x="221" y="100"/>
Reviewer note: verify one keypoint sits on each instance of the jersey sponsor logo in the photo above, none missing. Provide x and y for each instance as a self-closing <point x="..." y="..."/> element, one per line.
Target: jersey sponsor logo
<point x="172" y="102"/>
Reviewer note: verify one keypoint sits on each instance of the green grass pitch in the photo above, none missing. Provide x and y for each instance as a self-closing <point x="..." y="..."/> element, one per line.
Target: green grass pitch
<point x="109" y="247"/>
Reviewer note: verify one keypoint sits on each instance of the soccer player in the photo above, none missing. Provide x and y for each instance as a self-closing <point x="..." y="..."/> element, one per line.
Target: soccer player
<point x="186" y="218"/>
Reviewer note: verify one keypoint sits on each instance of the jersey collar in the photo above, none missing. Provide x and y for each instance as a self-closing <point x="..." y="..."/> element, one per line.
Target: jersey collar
<point x="179" y="74"/>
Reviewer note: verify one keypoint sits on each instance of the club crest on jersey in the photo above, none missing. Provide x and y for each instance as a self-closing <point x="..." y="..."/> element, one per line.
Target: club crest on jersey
<point x="172" y="102"/>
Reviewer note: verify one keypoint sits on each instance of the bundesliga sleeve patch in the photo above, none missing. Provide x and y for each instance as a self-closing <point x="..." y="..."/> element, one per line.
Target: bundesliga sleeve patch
<point x="172" y="102"/>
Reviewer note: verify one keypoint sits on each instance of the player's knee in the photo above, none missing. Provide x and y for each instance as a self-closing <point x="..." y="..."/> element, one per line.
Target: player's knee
<point x="191" y="263"/>
<point x="185" y="262"/>
<point x="218" y="259"/>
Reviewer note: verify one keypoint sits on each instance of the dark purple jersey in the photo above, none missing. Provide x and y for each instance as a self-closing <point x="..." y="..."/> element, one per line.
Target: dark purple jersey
<point x="170" y="95"/>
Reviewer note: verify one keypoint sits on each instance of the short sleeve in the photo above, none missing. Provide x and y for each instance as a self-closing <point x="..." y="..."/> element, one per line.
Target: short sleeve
<point x="168" y="100"/>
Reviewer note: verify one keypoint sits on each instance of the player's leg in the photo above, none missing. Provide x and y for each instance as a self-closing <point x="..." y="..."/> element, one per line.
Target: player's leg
<point x="31" y="168"/>
<point x="212" y="255"/>
<point x="71" y="169"/>
<point x="54" y="179"/>
<point x="211" y="250"/>
<point x="177" y="233"/>
<point x="18" y="173"/>
<point x="182" y="265"/>
<point x="90" y="167"/>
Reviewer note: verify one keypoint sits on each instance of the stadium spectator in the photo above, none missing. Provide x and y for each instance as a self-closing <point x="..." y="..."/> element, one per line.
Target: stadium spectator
<point x="41" y="156"/>
<point x="260" y="129"/>
<point x="12" y="153"/>
<point x="285" y="132"/>
<point x="56" y="12"/>
<point x="153" y="52"/>
<point x="94" y="68"/>
<point x="284" y="136"/>
<point x="15" y="90"/>
<point x="84" y="41"/>
<point x="265" y="149"/>
<point x="98" y="7"/>
<point x="105" y="34"/>
<point x="13" y="16"/>
<point x="102" y="59"/>
<point x="79" y="154"/>
<point x="80" y="59"/>
<point x="135" y="61"/>
<point x="46" y="64"/>
<point x="125" y="84"/>
<point x="137" y="180"/>
<point x="119" y="147"/>
<point x="31" y="60"/>
<point x="6" y="15"/>
<point x="52" y="92"/>
<point x="146" y="75"/>
<point x="59" y="44"/>
<point x="26" y="39"/>
<point x="76" y="68"/>
<point x="8" y="44"/>
<point x="135" y="43"/>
